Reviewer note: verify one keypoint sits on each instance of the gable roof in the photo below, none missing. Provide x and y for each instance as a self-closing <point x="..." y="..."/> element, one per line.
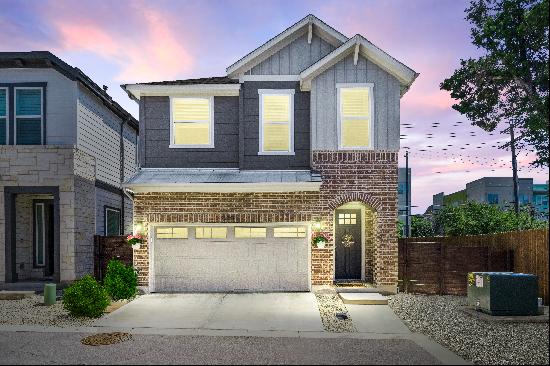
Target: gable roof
<point x="360" y="45"/>
<point x="276" y="43"/>
<point x="46" y="59"/>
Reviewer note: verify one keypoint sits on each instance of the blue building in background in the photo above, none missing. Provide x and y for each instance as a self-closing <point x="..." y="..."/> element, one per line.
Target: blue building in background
<point x="540" y="200"/>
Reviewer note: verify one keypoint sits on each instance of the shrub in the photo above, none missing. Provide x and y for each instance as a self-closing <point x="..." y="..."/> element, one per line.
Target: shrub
<point x="120" y="281"/>
<point x="85" y="297"/>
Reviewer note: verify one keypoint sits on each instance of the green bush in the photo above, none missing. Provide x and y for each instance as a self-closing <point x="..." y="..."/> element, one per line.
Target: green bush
<point x="85" y="297"/>
<point x="120" y="281"/>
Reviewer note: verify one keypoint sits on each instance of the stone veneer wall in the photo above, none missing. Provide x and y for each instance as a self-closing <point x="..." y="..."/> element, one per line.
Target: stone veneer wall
<point x="73" y="171"/>
<point x="368" y="177"/>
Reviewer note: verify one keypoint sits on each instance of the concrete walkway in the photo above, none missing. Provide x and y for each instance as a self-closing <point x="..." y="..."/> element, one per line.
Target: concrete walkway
<point x="233" y="328"/>
<point x="252" y="312"/>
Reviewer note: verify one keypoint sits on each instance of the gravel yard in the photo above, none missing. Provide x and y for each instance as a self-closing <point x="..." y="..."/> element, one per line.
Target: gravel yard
<point x="329" y="304"/>
<point x="31" y="311"/>
<point x="480" y="342"/>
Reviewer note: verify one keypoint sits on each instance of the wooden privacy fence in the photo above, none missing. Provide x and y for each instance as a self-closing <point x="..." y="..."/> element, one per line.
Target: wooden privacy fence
<point x="107" y="248"/>
<point x="439" y="265"/>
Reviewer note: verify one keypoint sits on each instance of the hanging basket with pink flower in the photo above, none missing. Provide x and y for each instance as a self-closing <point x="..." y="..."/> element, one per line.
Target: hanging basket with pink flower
<point x="135" y="241"/>
<point x="319" y="239"/>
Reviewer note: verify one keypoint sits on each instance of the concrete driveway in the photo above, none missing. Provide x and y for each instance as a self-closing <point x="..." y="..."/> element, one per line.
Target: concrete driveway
<point x="252" y="312"/>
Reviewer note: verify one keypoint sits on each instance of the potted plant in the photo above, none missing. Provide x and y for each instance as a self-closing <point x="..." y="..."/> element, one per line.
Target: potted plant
<point x="319" y="240"/>
<point x="134" y="241"/>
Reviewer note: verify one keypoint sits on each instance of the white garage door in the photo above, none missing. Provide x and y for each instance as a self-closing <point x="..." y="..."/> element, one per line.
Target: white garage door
<point x="230" y="258"/>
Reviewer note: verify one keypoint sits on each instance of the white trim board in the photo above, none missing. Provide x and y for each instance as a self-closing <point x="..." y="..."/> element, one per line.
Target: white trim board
<point x="224" y="187"/>
<point x="244" y="78"/>
<point x="284" y="38"/>
<point x="139" y="90"/>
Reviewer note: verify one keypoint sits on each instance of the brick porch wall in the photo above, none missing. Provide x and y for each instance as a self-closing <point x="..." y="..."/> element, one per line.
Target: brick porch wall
<point x="368" y="177"/>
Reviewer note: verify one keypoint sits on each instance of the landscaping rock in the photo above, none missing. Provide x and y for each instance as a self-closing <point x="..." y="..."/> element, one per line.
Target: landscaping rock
<point x="31" y="311"/>
<point x="330" y="304"/>
<point x="441" y="318"/>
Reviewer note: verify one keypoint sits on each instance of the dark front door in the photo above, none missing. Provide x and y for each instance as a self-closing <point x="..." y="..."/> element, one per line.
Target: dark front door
<point x="348" y="242"/>
<point x="43" y="236"/>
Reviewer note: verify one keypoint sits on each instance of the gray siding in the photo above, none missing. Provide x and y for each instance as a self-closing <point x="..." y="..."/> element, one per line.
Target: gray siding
<point x="155" y="137"/>
<point x="251" y="123"/>
<point x="99" y="136"/>
<point x="324" y="128"/>
<point x="106" y="198"/>
<point x="60" y="101"/>
<point x="294" y="58"/>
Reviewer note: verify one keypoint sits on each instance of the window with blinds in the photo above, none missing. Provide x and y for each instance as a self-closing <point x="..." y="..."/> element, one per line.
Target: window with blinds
<point x="3" y="116"/>
<point x="28" y="116"/>
<point x="192" y="122"/>
<point x="355" y="121"/>
<point x="276" y="121"/>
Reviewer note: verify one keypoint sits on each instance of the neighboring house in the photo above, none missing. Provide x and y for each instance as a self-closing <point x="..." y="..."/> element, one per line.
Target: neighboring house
<point x="65" y="148"/>
<point x="498" y="191"/>
<point x="237" y="171"/>
<point x="540" y="200"/>
<point x="404" y="196"/>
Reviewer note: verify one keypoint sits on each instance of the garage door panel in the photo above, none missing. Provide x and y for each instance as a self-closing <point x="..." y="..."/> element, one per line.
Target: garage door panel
<point x="253" y="264"/>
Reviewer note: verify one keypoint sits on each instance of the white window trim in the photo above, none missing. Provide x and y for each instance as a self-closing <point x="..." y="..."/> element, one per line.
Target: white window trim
<point x="289" y="92"/>
<point x="106" y="219"/>
<point x="210" y="124"/>
<point x="370" y="87"/>
<point x="41" y="116"/>
<point x="7" y="116"/>
<point x="43" y="215"/>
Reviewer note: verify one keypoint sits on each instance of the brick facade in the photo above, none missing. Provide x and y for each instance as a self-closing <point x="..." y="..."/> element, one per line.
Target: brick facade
<point x="367" y="177"/>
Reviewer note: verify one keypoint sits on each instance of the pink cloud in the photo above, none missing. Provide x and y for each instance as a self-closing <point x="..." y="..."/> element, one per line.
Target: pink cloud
<point x="155" y="52"/>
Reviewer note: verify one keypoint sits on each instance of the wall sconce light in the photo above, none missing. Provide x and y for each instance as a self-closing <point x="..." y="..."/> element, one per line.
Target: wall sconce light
<point x="138" y="228"/>
<point x="317" y="226"/>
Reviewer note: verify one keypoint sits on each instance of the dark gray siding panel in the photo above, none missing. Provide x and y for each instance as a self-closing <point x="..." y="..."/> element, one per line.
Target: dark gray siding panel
<point x="251" y="120"/>
<point x="156" y="139"/>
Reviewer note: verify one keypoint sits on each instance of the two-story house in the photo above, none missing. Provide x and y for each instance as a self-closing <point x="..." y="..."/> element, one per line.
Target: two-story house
<point x="65" y="149"/>
<point x="237" y="171"/>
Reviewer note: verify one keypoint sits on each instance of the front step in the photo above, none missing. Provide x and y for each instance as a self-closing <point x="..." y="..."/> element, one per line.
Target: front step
<point x="363" y="298"/>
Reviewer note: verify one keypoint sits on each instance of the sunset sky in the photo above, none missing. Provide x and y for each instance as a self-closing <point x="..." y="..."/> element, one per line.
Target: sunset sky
<point x="117" y="42"/>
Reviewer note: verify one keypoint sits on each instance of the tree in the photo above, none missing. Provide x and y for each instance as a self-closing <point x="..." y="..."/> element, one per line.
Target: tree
<point x="421" y="226"/>
<point x="507" y="87"/>
<point x="475" y="218"/>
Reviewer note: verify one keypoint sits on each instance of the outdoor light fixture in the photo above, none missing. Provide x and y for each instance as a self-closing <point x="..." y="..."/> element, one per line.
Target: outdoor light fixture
<point x="138" y="227"/>
<point x="317" y="226"/>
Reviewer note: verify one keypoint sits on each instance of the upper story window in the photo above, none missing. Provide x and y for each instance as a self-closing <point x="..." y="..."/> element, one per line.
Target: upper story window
<point x="355" y="106"/>
<point x="28" y="116"/>
<point x="3" y="116"/>
<point x="276" y="121"/>
<point x="192" y="122"/>
<point x="523" y="199"/>
<point x="492" y="198"/>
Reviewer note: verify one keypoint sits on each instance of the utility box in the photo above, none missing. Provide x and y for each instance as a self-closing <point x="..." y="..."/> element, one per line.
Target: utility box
<point x="503" y="293"/>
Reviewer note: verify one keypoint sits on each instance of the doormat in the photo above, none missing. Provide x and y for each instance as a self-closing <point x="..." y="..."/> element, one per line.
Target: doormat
<point x="105" y="339"/>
